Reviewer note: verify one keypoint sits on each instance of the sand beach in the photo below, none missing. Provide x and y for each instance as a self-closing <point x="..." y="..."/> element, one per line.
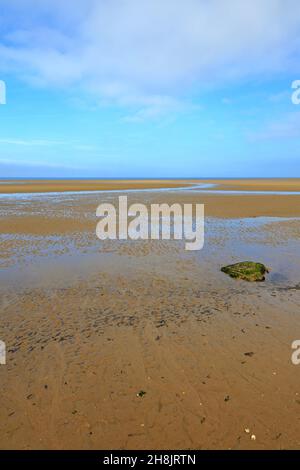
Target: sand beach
<point x="123" y="344"/>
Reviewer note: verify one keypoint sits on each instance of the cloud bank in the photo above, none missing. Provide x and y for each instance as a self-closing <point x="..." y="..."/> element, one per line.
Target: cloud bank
<point x="148" y="53"/>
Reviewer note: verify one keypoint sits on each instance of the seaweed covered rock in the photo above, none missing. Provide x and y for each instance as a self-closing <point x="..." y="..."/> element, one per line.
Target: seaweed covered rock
<point x="246" y="270"/>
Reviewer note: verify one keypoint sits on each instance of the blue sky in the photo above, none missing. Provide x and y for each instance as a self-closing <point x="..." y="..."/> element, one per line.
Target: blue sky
<point x="130" y="88"/>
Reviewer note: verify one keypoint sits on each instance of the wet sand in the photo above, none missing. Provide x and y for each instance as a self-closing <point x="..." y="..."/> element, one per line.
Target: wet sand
<point x="43" y="185"/>
<point x="48" y="186"/>
<point x="90" y="324"/>
<point x="258" y="184"/>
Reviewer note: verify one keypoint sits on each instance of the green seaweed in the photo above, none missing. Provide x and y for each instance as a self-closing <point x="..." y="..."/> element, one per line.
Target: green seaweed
<point x="246" y="270"/>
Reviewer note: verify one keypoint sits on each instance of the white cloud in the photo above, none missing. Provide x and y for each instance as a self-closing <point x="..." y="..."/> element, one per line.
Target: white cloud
<point x="288" y="127"/>
<point x="46" y="143"/>
<point x="132" y="52"/>
<point x="30" y="143"/>
<point x="12" y="161"/>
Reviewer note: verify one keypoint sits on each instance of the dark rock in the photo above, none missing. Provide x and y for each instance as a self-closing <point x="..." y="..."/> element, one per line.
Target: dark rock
<point x="246" y="270"/>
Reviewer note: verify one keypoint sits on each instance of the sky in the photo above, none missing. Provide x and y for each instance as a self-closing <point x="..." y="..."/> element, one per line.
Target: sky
<point x="149" y="88"/>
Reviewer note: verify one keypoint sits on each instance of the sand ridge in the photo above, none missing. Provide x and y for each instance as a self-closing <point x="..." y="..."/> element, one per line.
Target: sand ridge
<point x="90" y="324"/>
<point x="44" y="185"/>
